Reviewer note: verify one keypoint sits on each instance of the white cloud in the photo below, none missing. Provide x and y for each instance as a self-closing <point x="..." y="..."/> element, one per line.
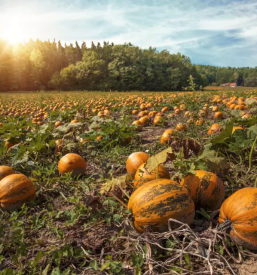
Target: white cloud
<point x="215" y="32"/>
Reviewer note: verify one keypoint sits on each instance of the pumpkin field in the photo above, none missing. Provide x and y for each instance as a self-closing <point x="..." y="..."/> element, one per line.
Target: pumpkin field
<point x="128" y="182"/>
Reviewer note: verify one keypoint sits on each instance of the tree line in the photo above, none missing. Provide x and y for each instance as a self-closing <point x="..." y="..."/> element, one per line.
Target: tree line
<point x="45" y="65"/>
<point x="40" y="65"/>
<point x="244" y="76"/>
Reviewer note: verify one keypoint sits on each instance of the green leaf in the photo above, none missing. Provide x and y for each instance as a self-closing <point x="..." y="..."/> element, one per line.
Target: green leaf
<point x="203" y="213"/>
<point x="158" y="159"/>
<point x="56" y="271"/>
<point x="105" y="265"/>
<point x="93" y="265"/>
<point x="225" y="133"/>
<point x="116" y="217"/>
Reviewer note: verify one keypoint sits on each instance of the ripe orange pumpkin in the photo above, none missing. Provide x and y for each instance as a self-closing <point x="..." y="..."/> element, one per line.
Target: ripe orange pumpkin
<point x="218" y="115"/>
<point x="57" y="124"/>
<point x="214" y="128"/>
<point x="235" y="128"/>
<point x="239" y="213"/>
<point x="15" y="190"/>
<point x="72" y="163"/>
<point x="135" y="160"/>
<point x="166" y="135"/>
<point x="142" y="175"/>
<point x="205" y="188"/>
<point x="155" y="202"/>
<point x="138" y="124"/>
<point x="5" y="171"/>
<point x="181" y="127"/>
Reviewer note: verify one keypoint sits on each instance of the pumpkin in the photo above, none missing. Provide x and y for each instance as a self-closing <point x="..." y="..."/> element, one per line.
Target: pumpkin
<point x="144" y="120"/>
<point x="57" y="124"/>
<point x="166" y="135"/>
<point x="237" y="128"/>
<point x="142" y="175"/>
<point x="72" y="163"/>
<point x="15" y="190"/>
<point x="218" y="115"/>
<point x="214" y="129"/>
<point x="157" y="119"/>
<point x="239" y="213"/>
<point x="205" y="188"/>
<point x="135" y="160"/>
<point x="5" y="171"/>
<point x="155" y="202"/>
<point x="138" y="124"/>
<point x="74" y="121"/>
<point x="181" y="127"/>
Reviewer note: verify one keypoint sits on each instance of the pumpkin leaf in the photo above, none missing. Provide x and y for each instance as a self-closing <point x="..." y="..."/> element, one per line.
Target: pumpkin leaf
<point x="225" y="133"/>
<point x="236" y="113"/>
<point x="158" y="159"/>
<point x="120" y="181"/>
<point x="250" y="101"/>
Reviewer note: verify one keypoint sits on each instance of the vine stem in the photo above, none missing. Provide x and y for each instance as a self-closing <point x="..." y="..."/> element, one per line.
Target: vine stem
<point x="251" y="154"/>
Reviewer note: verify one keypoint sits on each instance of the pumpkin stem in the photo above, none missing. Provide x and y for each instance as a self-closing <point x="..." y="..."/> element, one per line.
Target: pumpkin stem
<point x="226" y="225"/>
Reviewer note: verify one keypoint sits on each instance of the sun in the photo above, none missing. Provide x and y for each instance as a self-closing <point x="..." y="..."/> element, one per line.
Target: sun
<point x="15" y="30"/>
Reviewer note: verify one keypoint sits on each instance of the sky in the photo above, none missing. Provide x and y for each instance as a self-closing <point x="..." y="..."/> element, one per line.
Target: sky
<point x="210" y="32"/>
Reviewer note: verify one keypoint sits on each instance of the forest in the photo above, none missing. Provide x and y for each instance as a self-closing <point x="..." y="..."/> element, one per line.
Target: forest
<point x="45" y="65"/>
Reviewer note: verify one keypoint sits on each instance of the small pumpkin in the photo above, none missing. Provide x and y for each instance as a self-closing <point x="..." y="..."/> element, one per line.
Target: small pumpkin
<point x="142" y="175"/>
<point x="205" y="188"/>
<point x="239" y="213"/>
<point x="135" y="160"/>
<point x="214" y="129"/>
<point x="5" y="171"/>
<point x="235" y="128"/>
<point x="166" y="135"/>
<point x="15" y="190"/>
<point x="218" y="115"/>
<point x="138" y="124"/>
<point x="72" y="163"/>
<point x="155" y="202"/>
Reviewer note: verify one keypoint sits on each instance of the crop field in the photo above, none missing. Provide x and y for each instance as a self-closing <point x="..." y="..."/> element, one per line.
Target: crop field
<point x="74" y="200"/>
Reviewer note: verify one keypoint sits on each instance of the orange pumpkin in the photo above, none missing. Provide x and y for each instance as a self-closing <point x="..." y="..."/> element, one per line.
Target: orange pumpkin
<point x="239" y="214"/>
<point x="142" y="175"/>
<point x="5" y="171"/>
<point x="205" y="188"/>
<point x="155" y="202"/>
<point x="214" y="129"/>
<point x="138" y="124"/>
<point x="135" y="160"/>
<point x="166" y="135"/>
<point x="57" y="124"/>
<point x="15" y="190"/>
<point x="72" y="163"/>
<point x="237" y="128"/>
<point x="218" y="115"/>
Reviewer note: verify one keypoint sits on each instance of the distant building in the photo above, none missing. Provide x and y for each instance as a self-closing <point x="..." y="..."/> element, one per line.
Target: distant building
<point x="232" y="85"/>
<point x="228" y="85"/>
<point x="225" y="84"/>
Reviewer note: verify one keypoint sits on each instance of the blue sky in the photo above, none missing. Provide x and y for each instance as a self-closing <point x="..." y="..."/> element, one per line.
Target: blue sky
<point x="221" y="32"/>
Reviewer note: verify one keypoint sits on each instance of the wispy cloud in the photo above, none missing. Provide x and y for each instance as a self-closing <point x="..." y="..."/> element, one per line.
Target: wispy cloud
<point x="221" y="32"/>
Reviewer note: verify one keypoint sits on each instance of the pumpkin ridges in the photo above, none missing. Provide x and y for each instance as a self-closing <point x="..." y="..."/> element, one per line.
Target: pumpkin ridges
<point x="158" y="200"/>
<point x="205" y="188"/>
<point x="135" y="160"/>
<point x="241" y="209"/>
<point x="15" y="189"/>
<point x="5" y="171"/>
